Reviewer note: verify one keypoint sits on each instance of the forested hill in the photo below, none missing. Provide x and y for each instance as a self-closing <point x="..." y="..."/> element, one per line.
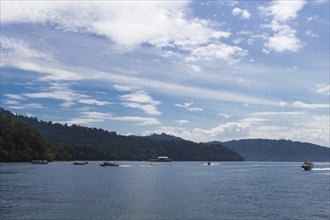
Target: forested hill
<point x="85" y="143"/>
<point x="278" y="150"/>
<point x="20" y="143"/>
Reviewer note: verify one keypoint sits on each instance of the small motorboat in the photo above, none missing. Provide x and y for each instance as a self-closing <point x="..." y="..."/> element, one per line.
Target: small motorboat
<point x="209" y="163"/>
<point x="161" y="159"/>
<point x="307" y="165"/>
<point x="79" y="163"/>
<point x="109" y="164"/>
<point x="39" y="162"/>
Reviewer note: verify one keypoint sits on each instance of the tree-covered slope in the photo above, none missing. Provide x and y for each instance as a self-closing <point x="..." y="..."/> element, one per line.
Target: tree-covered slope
<point x="20" y="143"/>
<point x="278" y="150"/>
<point x="85" y="143"/>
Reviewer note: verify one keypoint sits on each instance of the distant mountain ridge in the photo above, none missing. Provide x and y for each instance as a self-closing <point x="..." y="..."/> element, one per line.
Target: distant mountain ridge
<point x="85" y="143"/>
<point x="277" y="150"/>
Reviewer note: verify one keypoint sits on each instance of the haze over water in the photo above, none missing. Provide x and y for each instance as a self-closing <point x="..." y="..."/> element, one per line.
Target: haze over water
<point x="177" y="190"/>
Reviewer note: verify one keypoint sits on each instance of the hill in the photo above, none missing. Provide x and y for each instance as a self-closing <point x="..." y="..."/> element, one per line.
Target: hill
<point x="278" y="150"/>
<point x="85" y="143"/>
<point x="20" y="143"/>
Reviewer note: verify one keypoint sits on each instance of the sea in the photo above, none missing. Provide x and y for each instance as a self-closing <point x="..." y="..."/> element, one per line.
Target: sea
<point x="175" y="190"/>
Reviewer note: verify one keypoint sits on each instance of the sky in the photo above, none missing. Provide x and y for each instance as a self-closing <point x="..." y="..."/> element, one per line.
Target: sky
<point x="200" y="70"/>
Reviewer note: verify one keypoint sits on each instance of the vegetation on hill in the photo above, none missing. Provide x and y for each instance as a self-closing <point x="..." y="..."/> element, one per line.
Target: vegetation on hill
<point x="20" y="143"/>
<point x="278" y="150"/>
<point x="85" y="143"/>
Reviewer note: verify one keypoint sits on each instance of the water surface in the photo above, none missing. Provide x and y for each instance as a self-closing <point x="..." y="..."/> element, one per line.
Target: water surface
<point x="176" y="190"/>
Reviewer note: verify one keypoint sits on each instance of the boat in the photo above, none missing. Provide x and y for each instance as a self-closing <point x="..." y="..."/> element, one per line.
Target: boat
<point x="39" y="162"/>
<point x="109" y="164"/>
<point x="80" y="163"/>
<point x="209" y="163"/>
<point x="307" y="165"/>
<point x="161" y="159"/>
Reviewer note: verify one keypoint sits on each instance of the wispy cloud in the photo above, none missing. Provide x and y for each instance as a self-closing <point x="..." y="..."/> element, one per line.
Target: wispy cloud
<point x="188" y="106"/>
<point x="15" y="96"/>
<point x="182" y="122"/>
<point x="224" y="115"/>
<point x="227" y="131"/>
<point x="277" y="113"/>
<point x="18" y="105"/>
<point x="141" y="100"/>
<point x="300" y="104"/>
<point x="322" y="89"/>
<point x="64" y="92"/>
<point x="13" y="49"/>
<point x="91" y="117"/>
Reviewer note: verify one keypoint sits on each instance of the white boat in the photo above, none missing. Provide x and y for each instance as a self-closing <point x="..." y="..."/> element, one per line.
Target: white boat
<point x="161" y="159"/>
<point x="39" y="162"/>
<point x="307" y="165"/>
<point x="80" y="162"/>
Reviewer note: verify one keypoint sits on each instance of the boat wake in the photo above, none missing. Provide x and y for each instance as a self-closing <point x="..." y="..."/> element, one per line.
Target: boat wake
<point x="321" y="169"/>
<point x="125" y="165"/>
<point x="212" y="164"/>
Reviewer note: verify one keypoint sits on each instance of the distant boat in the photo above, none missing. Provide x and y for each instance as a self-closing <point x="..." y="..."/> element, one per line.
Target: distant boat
<point x="209" y="163"/>
<point x="307" y="165"/>
<point x="39" y="162"/>
<point x="109" y="164"/>
<point x="80" y="162"/>
<point x="161" y="159"/>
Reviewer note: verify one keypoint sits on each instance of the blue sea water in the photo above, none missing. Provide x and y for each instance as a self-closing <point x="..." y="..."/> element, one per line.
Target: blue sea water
<point x="176" y="190"/>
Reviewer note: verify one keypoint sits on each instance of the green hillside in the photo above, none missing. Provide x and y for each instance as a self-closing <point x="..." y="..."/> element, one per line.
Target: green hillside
<point x="85" y="143"/>
<point x="21" y="143"/>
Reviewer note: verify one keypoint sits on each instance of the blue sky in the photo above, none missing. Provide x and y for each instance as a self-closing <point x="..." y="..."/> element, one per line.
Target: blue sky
<point x="200" y="70"/>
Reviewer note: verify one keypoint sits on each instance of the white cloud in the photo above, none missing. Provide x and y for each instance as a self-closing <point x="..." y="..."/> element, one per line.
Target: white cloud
<point x="182" y="122"/>
<point x="253" y="120"/>
<point x="230" y="54"/>
<point x="15" y="96"/>
<point x="224" y="115"/>
<point x="188" y="106"/>
<point x="123" y="88"/>
<point x="311" y="34"/>
<point x="272" y="125"/>
<point x="161" y="24"/>
<point x="17" y="105"/>
<point x="139" y="120"/>
<point x="63" y="92"/>
<point x="242" y="12"/>
<point x="322" y="89"/>
<point x="300" y="104"/>
<point x="282" y="12"/>
<point x="90" y="101"/>
<point x="223" y="132"/>
<point x="282" y="103"/>
<point x="88" y="118"/>
<point x="304" y="127"/>
<point x="282" y="41"/>
<point x="277" y="113"/>
<point x="195" y="68"/>
<point x="141" y="100"/>
<point x="13" y="50"/>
